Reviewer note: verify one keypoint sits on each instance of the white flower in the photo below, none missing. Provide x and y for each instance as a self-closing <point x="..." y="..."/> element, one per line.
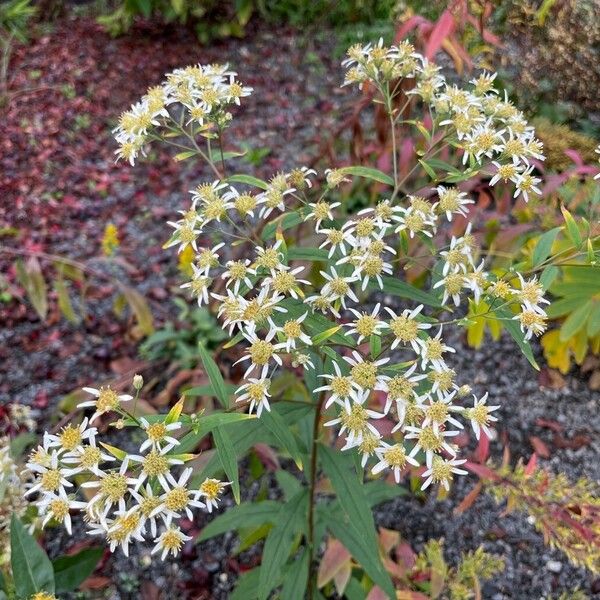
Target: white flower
<point x="354" y="418"/>
<point x="364" y="373"/>
<point x="480" y="416"/>
<point x="439" y="411"/>
<point x="405" y="327"/>
<point x="441" y="470"/>
<point x="526" y="184"/>
<point x="51" y="476"/>
<point x="338" y="287"/>
<point x="452" y="283"/>
<point x="430" y="442"/>
<point x="57" y="506"/>
<point x="321" y="211"/>
<point x="433" y="351"/>
<point x="126" y="525"/>
<point x="185" y="234"/>
<point x="156" y="463"/>
<point x="107" y="400"/>
<point x="393" y="457"/>
<point x="452" y="201"/>
<point x="338" y="239"/>
<point x="207" y="258"/>
<point x="292" y="332"/>
<point x="476" y="280"/>
<point x="366" y="324"/>
<point x="177" y="498"/>
<point x="339" y="385"/>
<point x="260" y="352"/>
<point x="147" y="502"/>
<point x="170" y="542"/>
<point x="158" y="434"/>
<point x="210" y="490"/>
<point x="198" y="285"/>
<point x="532" y="320"/>
<point x="71" y="437"/>
<point x="113" y="488"/>
<point x="401" y="390"/>
<point x="257" y="391"/>
<point x="238" y="272"/>
<point x="87" y="458"/>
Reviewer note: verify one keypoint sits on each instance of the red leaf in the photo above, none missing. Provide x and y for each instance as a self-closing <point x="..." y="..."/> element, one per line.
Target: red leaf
<point x="481" y="470"/>
<point x="483" y="448"/>
<point x="443" y="28"/>
<point x="469" y="499"/>
<point x="539" y="446"/>
<point x="335" y="557"/>
<point x="530" y="468"/>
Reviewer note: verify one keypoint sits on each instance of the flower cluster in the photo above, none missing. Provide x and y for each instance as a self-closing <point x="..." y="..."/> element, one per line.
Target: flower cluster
<point x="129" y="496"/>
<point x="477" y="119"/>
<point x="196" y="98"/>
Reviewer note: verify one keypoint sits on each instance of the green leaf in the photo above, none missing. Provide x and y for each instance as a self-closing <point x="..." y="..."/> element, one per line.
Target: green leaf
<point x="246" y="586"/>
<point x="289" y="520"/>
<point x="375" y="346"/>
<point x="515" y="332"/>
<point x="206" y="424"/>
<point x="362" y="551"/>
<point x="214" y="375"/>
<point x="31" y="567"/>
<point x="207" y="390"/>
<point x="593" y="326"/>
<point x="296" y="574"/>
<point x="379" y="491"/>
<point x="349" y="490"/>
<point x="544" y="246"/>
<point x="312" y="254"/>
<point x="71" y="571"/>
<point x="248" y="180"/>
<point x="368" y="173"/>
<point x="549" y="274"/>
<point x="20" y="443"/>
<point x="249" y="514"/>
<point x="228" y="458"/>
<point x="287" y="221"/>
<point x="185" y="155"/>
<point x="283" y="434"/>
<point x="428" y="170"/>
<point x="396" y="287"/>
<point x="572" y="229"/>
<point x="64" y="301"/>
<point x="289" y="484"/>
<point x="575" y="321"/>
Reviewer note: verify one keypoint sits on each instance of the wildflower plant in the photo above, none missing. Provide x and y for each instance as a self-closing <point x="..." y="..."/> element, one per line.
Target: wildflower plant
<point x="358" y="390"/>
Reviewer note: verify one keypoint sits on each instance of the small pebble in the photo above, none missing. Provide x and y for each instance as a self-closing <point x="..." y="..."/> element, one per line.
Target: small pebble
<point x="554" y="566"/>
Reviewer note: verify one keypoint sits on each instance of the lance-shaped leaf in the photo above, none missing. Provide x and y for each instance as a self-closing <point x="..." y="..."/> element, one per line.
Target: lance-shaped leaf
<point x="368" y="173"/>
<point x="140" y="309"/>
<point x="513" y="328"/>
<point x="296" y="574"/>
<point x="31" y="278"/>
<point x="214" y="374"/>
<point x="248" y="180"/>
<point x="277" y="426"/>
<point x="206" y="424"/>
<point x="31" y="567"/>
<point x="543" y="246"/>
<point x="71" y="571"/>
<point x="400" y="288"/>
<point x="228" y="459"/>
<point x="250" y="514"/>
<point x="289" y="520"/>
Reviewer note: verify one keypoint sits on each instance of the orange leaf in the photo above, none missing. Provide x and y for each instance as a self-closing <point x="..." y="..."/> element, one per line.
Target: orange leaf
<point x="334" y="559"/>
<point x="468" y="500"/>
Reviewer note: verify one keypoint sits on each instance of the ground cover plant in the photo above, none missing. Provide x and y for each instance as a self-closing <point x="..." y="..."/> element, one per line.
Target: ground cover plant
<point x="428" y="574"/>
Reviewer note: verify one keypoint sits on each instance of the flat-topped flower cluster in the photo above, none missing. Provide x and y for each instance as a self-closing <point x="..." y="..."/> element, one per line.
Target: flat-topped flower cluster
<point x="131" y="497"/>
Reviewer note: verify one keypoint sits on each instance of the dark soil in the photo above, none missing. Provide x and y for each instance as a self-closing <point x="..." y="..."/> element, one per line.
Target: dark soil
<point x="60" y="187"/>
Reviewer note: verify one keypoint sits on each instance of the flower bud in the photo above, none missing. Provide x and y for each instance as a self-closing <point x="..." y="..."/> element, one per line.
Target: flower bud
<point x="464" y="390"/>
<point x="138" y="382"/>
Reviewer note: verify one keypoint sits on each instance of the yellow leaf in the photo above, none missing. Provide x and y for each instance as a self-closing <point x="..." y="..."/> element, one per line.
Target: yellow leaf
<point x="557" y="353"/>
<point x="185" y="259"/>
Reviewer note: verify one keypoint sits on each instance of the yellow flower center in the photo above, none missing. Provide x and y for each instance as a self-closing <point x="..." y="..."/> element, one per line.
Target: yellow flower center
<point x="107" y="400"/>
<point x="177" y="499"/>
<point x="434" y="349"/>
<point x="113" y="486"/>
<point x="395" y="456"/>
<point x="437" y="412"/>
<point x="171" y="540"/>
<point x="257" y="391"/>
<point x="90" y="457"/>
<point x="283" y="282"/>
<point x="341" y="386"/>
<point x="364" y="227"/>
<point x="400" y="388"/>
<point x="321" y="211"/>
<point x="365" y="374"/>
<point x="373" y="266"/>
<point x="356" y="420"/>
<point x="70" y="437"/>
<point x="366" y="325"/>
<point x="59" y="509"/>
<point x="155" y="464"/>
<point x="339" y="287"/>
<point x="245" y="203"/>
<point x="261" y="352"/>
<point x="156" y="431"/>
<point x="292" y="329"/>
<point x="211" y="488"/>
<point x="404" y="328"/>
<point x="51" y="480"/>
<point x="429" y="440"/>
<point x="269" y="259"/>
